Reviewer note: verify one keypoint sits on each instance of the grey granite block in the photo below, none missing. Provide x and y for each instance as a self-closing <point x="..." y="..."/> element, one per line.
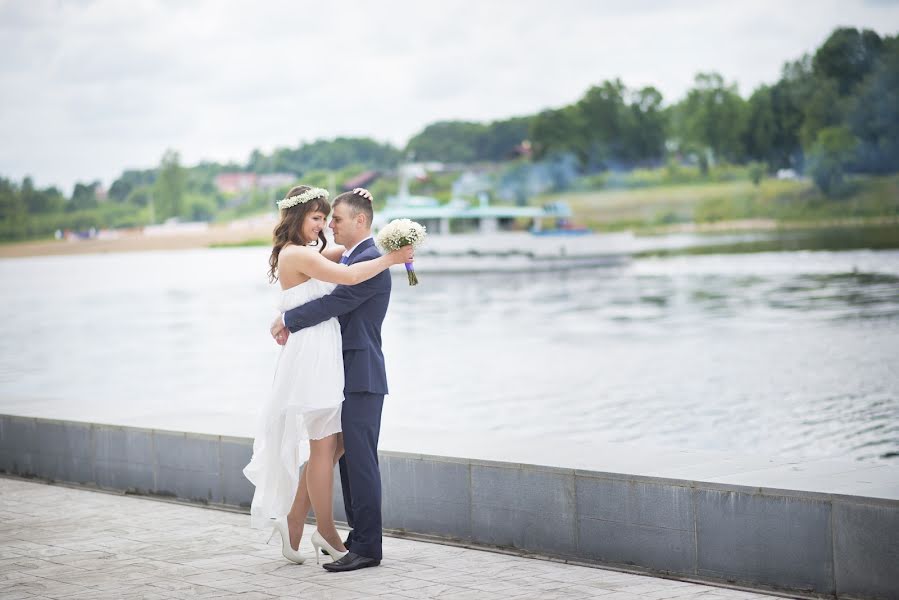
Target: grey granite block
<point x="186" y="451"/>
<point x="764" y="539"/>
<point x="65" y="439"/>
<point x="523" y="507"/>
<point x="866" y="550"/>
<point x="187" y="466"/>
<point x="123" y="459"/>
<point x="427" y="496"/>
<point x="17" y="443"/>
<point x="126" y="476"/>
<point x="57" y="467"/>
<point x="636" y="502"/>
<point x="18" y="438"/>
<point x="236" y="488"/>
<point x="636" y="523"/>
<point x="123" y="444"/>
<point x="197" y="486"/>
<point x="671" y="550"/>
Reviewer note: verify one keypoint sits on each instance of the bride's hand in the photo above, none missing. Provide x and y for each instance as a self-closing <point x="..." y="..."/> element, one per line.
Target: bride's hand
<point x="279" y="332"/>
<point x="404" y="255"/>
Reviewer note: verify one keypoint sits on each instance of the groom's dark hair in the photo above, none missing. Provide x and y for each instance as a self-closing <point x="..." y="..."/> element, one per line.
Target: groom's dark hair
<point x="358" y="204"/>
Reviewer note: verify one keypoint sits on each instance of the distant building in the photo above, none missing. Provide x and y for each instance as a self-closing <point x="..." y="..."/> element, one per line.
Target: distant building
<point x="272" y="181"/>
<point x="523" y="150"/>
<point x="471" y="183"/>
<point x="234" y="183"/>
<point x="361" y="180"/>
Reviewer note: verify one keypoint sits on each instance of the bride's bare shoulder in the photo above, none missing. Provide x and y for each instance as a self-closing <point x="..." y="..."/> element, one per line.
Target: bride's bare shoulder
<point x="292" y="252"/>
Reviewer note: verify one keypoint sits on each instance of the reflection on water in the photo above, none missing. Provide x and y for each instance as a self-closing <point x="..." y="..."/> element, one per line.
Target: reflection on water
<point x="871" y="237"/>
<point x="774" y="353"/>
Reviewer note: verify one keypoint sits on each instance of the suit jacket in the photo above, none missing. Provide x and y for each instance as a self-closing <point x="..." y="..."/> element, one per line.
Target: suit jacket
<point x="361" y="309"/>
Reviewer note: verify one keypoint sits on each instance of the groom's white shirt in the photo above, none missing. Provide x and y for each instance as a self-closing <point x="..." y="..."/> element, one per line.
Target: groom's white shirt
<point x="346" y="254"/>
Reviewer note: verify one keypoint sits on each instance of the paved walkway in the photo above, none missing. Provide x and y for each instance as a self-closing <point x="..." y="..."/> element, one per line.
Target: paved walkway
<point x="59" y="542"/>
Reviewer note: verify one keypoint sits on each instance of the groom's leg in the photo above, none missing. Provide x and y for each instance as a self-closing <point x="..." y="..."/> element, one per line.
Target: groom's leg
<point x="347" y="492"/>
<point x="361" y="429"/>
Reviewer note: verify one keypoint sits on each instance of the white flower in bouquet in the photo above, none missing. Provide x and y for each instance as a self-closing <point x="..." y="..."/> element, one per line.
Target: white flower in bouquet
<point x="399" y="233"/>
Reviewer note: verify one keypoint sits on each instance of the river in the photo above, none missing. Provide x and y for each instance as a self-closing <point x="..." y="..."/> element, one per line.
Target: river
<point x="778" y="353"/>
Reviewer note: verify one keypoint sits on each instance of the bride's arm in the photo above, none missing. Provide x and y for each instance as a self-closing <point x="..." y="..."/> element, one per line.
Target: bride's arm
<point x="313" y="264"/>
<point x="334" y="252"/>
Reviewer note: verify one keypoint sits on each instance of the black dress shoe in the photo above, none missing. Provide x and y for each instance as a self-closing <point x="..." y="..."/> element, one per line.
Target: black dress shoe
<point x="351" y="562"/>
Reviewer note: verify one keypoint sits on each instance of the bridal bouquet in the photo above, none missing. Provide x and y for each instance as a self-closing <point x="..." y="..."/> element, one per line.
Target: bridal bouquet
<point x="399" y="233"/>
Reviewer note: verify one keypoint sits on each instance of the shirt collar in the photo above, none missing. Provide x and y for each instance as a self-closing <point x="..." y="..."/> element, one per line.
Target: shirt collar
<point x="348" y="252"/>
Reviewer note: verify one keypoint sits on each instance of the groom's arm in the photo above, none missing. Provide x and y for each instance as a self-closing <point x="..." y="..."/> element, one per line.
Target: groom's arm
<point x="342" y="300"/>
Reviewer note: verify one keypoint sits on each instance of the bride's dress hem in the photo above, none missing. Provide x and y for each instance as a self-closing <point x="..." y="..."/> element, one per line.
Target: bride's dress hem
<point x="304" y="404"/>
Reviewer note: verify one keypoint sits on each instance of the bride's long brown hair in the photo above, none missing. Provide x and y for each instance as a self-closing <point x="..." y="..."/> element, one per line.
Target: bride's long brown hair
<point x="289" y="229"/>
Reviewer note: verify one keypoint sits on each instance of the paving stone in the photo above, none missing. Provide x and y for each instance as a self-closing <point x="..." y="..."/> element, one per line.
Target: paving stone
<point x="122" y="547"/>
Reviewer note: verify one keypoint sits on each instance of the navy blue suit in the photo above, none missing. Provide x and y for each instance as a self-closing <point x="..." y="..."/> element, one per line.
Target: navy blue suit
<point x="361" y="309"/>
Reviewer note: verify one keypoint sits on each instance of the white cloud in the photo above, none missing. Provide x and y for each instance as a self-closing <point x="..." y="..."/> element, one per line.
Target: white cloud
<point x="93" y="87"/>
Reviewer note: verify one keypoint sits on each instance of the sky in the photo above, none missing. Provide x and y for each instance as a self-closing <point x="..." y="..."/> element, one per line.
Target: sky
<point x="90" y="88"/>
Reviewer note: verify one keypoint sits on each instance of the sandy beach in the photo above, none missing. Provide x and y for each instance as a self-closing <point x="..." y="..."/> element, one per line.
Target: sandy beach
<point x="138" y="241"/>
<point x="239" y="232"/>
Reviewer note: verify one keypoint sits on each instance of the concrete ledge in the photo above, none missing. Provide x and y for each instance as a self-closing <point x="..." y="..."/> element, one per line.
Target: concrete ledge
<point x="836" y="545"/>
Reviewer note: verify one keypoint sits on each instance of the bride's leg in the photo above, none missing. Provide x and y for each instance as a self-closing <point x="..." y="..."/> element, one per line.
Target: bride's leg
<point x="296" y="518"/>
<point x="320" y="481"/>
<point x="338" y="450"/>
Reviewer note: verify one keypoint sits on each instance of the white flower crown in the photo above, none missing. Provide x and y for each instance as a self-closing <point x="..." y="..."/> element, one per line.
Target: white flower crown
<point x="302" y="198"/>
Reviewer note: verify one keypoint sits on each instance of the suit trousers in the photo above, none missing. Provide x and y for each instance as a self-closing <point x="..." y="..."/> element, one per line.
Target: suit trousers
<point x="360" y="474"/>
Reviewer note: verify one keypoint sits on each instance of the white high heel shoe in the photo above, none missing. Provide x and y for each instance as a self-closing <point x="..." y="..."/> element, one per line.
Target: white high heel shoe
<point x="280" y="525"/>
<point x="320" y="543"/>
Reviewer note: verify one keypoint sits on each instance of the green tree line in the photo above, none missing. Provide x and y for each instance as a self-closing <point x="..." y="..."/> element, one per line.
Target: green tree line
<point x="831" y="113"/>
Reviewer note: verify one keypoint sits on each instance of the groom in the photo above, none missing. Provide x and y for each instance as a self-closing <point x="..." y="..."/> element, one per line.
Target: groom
<point x="360" y="309"/>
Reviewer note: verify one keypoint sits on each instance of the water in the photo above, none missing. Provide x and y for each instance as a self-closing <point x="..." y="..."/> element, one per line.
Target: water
<point x="780" y="353"/>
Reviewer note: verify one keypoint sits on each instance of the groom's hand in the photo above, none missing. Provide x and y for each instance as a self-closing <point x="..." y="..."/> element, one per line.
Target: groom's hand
<point x="279" y="332"/>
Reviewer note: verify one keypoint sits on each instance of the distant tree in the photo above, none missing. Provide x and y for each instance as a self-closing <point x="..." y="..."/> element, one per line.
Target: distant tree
<point x="119" y="190"/>
<point x="559" y="131"/>
<point x="829" y="156"/>
<point x="130" y="180"/>
<point x="448" y="141"/>
<point x="604" y="116"/>
<point x="647" y="125"/>
<point x="140" y="196"/>
<point x="873" y="114"/>
<point x="756" y="172"/>
<point x="610" y="126"/>
<point x="500" y="138"/>
<point x="13" y="213"/>
<point x="84" y="196"/>
<point x="260" y="163"/>
<point x="846" y="57"/>
<point x="324" y="154"/>
<point x="823" y="108"/>
<point x="760" y="134"/>
<point x="169" y="189"/>
<point x="44" y="201"/>
<point x="712" y="117"/>
<point x="200" y="208"/>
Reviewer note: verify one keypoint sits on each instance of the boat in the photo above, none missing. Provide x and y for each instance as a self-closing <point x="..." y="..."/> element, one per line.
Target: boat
<point x="461" y="216"/>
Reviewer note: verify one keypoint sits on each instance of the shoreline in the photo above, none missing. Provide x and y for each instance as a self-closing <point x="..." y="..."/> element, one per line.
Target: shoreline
<point x="227" y="235"/>
<point x="139" y="242"/>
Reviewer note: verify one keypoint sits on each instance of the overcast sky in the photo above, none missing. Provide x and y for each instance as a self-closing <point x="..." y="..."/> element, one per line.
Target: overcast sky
<point x="90" y="88"/>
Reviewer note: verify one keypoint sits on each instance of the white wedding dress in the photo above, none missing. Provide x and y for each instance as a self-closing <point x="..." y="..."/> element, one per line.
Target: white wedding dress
<point x="304" y="404"/>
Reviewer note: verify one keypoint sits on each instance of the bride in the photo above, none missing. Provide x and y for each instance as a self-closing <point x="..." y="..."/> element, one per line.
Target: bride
<point x="307" y="392"/>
